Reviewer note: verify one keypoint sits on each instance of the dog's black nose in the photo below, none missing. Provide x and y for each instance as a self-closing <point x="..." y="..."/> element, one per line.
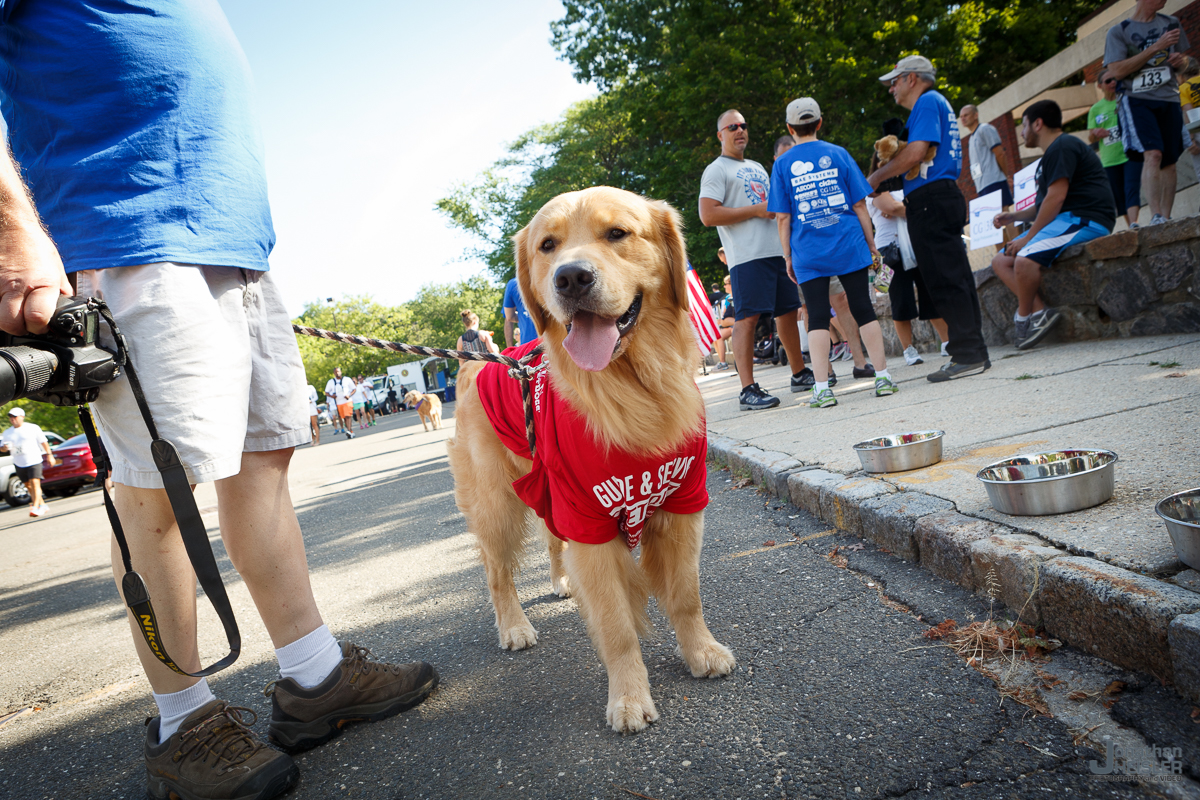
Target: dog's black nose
<point x="575" y="279"/>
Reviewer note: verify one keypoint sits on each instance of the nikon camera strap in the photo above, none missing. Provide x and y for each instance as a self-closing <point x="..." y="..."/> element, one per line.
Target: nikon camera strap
<point x="187" y="515"/>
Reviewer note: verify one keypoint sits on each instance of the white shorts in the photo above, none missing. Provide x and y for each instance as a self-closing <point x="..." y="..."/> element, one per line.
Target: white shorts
<point x="217" y="359"/>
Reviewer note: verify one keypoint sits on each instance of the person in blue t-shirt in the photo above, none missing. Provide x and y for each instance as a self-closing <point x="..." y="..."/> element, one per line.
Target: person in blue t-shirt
<point x="133" y="123"/>
<point x="515" y="312"/>
<point x="937" y="212"/>
<point x="818" y="194"/>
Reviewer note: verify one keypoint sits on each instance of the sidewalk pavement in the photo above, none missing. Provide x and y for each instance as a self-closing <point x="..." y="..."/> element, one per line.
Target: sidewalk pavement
<point x="1105" y="579"/>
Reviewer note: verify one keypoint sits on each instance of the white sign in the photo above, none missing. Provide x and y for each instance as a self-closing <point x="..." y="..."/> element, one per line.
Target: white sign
<point x="1025" y="186"/>
<point x="983" y="210"/>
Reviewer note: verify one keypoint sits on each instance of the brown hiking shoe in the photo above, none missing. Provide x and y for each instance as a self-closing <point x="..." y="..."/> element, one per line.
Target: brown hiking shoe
<point x="214" y="755"/>
<point x="359" y="690"/>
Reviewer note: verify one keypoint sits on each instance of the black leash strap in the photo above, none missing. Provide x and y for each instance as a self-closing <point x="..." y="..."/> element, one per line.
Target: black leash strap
<point x="187" y="515"/>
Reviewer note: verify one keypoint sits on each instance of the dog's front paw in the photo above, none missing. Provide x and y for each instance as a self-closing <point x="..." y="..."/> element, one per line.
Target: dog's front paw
<point x="712" y="660"/>
<point x="562" y="586"/>
<point x="628" y="714"/>
<point x="518" y="637"/>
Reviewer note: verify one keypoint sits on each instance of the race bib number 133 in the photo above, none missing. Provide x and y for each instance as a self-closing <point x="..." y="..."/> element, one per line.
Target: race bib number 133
<point x="1151" y="78"/>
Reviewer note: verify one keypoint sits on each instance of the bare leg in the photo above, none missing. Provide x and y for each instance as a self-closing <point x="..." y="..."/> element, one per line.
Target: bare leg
<point x="818" y="348"/>
<point x="1028" y="278"/>
<point x="849" y="327"/>
<point x="743" y="348"/>
<point x="315" y="424"/>
<point x="1151" y="177"/>
<point x="872" y="336"/>
<point x="789" y="336"/>
<point x="35" y="491"/>
<point x="904" y="332"/>
<point x="1166" y="188"/>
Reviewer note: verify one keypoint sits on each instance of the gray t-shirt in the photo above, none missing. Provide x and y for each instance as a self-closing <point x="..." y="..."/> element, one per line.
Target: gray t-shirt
<point x="737" y="184"/>
<point x="1155" y="81"/>
<point x="984" y="169"/>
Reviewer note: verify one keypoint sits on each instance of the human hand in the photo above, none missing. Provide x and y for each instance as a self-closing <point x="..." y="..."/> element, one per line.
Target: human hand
<point x="1178" y="61"/>
<point x="1014" y="247"/>
<point x="1001" y="219"/>
<point x="32" y="279"/>
<point x="760" y="210"/>
<point x="1194" y="149"/>
<point x="790" y="272"/>
<point x="1165" y="41"/>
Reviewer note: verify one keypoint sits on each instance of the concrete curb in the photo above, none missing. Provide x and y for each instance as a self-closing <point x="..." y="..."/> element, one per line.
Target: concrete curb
<point x="1137" y="622"/>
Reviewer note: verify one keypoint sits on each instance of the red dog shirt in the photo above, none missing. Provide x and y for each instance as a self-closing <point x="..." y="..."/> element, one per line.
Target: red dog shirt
<point x="583" y="493"/>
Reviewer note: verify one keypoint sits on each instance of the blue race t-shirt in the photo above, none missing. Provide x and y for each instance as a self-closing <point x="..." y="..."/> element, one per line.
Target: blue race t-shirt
<point x="133" y="123"/>
<point x="818" y="183"/>
<point x="932" y="120"/>
<point x="512" y="299"/>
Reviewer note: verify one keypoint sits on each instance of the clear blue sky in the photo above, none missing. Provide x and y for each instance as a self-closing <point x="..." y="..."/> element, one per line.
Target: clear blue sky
<point x="371" y="111"/>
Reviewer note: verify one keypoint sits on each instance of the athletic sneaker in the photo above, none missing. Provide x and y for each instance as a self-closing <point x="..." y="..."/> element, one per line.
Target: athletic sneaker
<point x="358" y="690"/>
<point x="840" y="352"/>
<point x="884" y="387"/>
<point x="722" y="365"/>
<point x="38" y="510"/>
<point x="1020" y="330"/>
<point x="832" y="377"/>
<point x="1039" y="325"/>
<point x="956" y="370"/>
<point x="866" y="372"/>
<point x="215" y="755"/>
<point x="1157" y="219"/>
<point x="822" y="399"/>
<point x="803" y="380"/>
<point x="945" y="352"/>
<point x="349" y="434"/>
<point x="912" y="357"/>
<point x="753" y="398"/>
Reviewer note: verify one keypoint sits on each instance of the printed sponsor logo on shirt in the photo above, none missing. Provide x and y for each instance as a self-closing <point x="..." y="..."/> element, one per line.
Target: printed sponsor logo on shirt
<point x="801" y="167"/>
<point x="825" y="162"/>
<point x="813" y="177"/>
<point x="837" y="199"/>
<point x="806" y="195"/>
<point x="632" y="499"/>
<point x="754" y="183"/>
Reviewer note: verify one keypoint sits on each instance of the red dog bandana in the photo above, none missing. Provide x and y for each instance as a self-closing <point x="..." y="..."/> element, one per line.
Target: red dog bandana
<point x="583" y="491"/>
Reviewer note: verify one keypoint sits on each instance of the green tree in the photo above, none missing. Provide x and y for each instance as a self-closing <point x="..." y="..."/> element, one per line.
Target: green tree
<point x="63" y="420"/>
<point x="358" y="315"/>
<point x="437" y="311"/>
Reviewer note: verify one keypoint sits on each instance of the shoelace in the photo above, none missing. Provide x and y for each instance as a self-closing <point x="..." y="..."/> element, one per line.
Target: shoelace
<point x="224" y="734"/>
<point x="360" y="662"/>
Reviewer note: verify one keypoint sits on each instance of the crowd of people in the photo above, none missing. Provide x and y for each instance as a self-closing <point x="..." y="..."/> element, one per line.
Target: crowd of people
<point x="808" y="241"/>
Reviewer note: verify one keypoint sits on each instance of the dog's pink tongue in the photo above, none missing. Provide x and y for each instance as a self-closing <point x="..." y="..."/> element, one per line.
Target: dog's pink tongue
<point x="591" y="341"/>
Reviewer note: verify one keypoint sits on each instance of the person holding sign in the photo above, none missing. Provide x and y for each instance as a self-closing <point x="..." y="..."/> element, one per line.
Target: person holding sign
<point x="988" y="168"/>
<point x="1124" y="176"/>
<point x="1074" y="205"/>
<point x="1141" y="52"/>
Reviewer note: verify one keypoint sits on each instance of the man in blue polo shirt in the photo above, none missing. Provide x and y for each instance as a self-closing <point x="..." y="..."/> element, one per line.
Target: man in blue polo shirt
<point x="516" y="313"/>
<point x="937" y="212"/>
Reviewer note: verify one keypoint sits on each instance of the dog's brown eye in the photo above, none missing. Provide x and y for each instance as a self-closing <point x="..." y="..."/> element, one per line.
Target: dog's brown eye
<point x="616" y="235"/>
<point x="546" y="246"/>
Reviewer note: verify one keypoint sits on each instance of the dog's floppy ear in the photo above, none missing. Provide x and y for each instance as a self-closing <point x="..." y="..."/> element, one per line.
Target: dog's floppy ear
<point x="525" y="281"/>
<point x="670" y="234"/>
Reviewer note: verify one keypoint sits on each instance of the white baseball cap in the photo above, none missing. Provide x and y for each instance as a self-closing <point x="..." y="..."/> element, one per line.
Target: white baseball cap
<point x="16" y="411"/>
<point x="910" y="64"/>
<point x="803" y="110"/>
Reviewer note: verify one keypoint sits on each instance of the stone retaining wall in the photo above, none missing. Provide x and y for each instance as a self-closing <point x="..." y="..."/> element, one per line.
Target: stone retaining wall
<point x="1141" y="282"/>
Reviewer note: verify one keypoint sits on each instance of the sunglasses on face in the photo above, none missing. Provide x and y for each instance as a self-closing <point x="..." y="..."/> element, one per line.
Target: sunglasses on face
<point x="737" y="126"/>
<point x="1108" y="81"/>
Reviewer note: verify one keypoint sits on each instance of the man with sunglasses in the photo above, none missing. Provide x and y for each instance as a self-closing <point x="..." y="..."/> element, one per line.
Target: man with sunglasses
<point x="733" y="197"/>
<point x="937" y="212"/>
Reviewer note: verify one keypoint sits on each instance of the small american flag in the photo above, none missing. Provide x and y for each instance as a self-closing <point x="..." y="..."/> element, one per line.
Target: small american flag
<point x="701" y="313"/>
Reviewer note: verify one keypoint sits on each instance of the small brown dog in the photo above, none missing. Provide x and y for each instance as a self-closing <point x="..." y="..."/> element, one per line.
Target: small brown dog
<point x="888" y="146"/>
<point x="620" y="440"/>
<point x="429" y="408"/>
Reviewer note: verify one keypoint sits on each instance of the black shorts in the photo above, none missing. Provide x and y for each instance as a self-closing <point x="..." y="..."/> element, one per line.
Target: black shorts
<point x="1152" y="125"/>
<point x="762" y="286"/>
<point x="26" y="473"/>
<point x="1006" y="198"/>
<point x="906" y="306"/>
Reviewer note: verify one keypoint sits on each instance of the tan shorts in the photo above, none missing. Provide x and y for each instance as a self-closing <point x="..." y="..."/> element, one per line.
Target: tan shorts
<point x="218" y="362"/>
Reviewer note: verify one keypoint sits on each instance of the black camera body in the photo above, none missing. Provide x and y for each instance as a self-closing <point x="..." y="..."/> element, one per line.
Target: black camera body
<point x="64" y="366"/>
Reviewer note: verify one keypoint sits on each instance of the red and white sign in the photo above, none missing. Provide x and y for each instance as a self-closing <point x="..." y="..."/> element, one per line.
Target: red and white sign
<point x="701" y="313"/>
<point x="1025" y="186"/>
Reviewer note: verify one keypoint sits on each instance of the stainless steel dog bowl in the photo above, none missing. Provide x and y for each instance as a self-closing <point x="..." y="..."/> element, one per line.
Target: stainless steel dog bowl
<point x="1058" y="482"/>
<point x="900" y="452"/>
<point x="1181" y="512"/>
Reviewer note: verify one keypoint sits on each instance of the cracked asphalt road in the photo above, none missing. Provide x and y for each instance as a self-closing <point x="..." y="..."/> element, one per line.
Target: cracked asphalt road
<point x="836" y="693"/>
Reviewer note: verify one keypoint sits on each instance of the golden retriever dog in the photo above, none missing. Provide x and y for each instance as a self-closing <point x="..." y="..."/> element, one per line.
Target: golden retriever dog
<point x="429" y="408"/>
<point x="602" y="272"/>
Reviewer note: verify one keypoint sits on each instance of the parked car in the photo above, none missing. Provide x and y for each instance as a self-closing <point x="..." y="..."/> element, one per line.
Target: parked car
<point x="74" y="470"/>
<point x="11" y="487"/>
<point x="323" y="414"/>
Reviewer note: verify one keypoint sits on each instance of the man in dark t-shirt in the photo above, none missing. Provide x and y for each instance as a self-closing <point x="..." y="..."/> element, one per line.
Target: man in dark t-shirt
<point x="1074" y="204"/>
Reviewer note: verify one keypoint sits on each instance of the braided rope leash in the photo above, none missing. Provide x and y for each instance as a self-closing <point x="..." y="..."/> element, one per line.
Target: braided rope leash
<point x="520" y="370"/>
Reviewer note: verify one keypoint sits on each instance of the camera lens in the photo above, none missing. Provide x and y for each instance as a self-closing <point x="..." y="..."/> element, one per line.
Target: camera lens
<point x="24" y="371"/>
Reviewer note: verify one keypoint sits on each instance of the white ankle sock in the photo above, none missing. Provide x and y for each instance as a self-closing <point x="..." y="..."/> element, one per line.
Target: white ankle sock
<point x="1018" y="318"/>
<point x="175" y="707"/>
<point x="883" y="373"/>
<point x="821" y="386"/>
<point x="311" y="658"/>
